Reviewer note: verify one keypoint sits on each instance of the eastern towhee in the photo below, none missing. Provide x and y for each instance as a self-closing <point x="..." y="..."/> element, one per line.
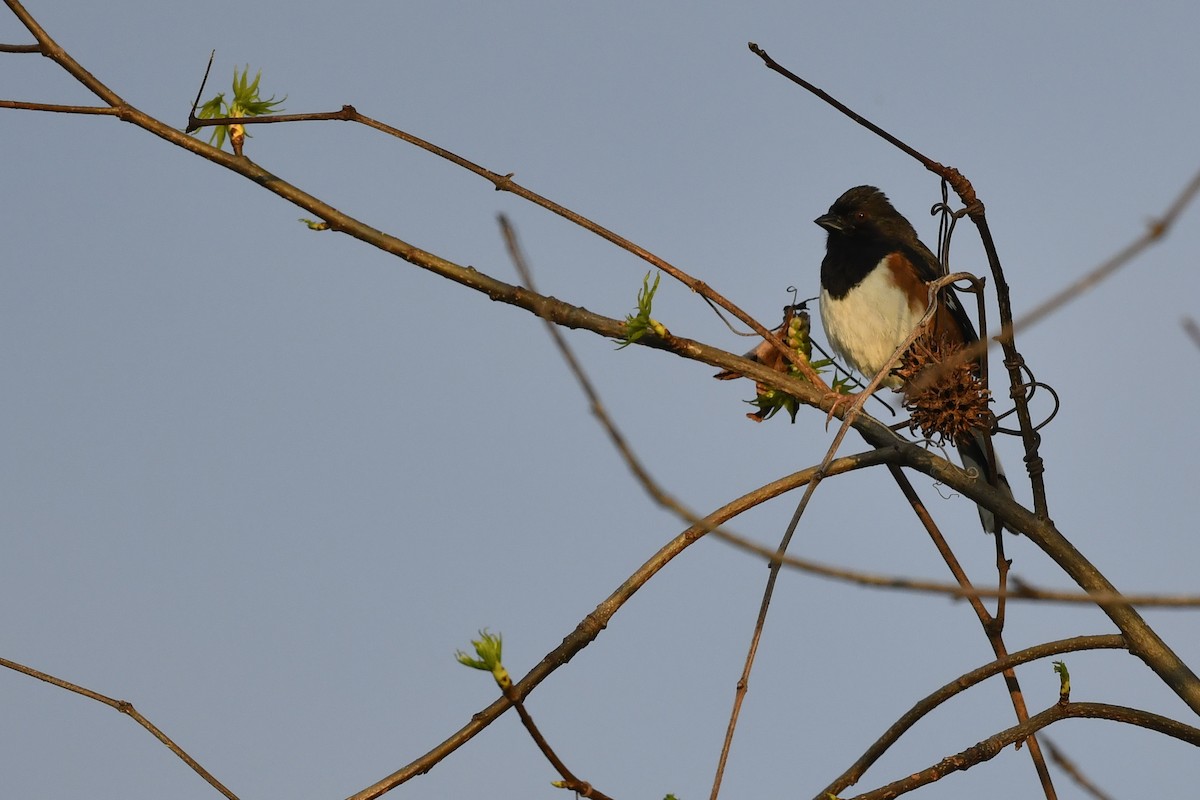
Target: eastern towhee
<point x="874" y="292"/>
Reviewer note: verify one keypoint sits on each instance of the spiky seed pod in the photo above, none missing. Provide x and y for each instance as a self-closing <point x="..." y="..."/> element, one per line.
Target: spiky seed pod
<point x="953" y="406"/>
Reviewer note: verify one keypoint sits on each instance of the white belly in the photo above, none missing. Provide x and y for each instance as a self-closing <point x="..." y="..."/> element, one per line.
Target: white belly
<point x="867" y="325"/>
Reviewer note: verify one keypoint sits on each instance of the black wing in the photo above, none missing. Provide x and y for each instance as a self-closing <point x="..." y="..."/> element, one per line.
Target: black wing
<point x="930" y="269"/>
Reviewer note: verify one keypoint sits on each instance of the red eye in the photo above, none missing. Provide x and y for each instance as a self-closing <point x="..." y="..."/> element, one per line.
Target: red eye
<point x="860" y="216"/>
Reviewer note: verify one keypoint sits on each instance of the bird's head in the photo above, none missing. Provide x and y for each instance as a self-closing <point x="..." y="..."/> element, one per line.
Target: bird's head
<point x="864" y="212"/>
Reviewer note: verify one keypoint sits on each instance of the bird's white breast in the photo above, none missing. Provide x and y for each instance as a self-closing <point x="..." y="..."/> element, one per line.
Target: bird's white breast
<point x="866" y="325"/>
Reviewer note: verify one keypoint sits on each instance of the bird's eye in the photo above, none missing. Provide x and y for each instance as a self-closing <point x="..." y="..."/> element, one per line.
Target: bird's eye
<point x="860" y="216"/>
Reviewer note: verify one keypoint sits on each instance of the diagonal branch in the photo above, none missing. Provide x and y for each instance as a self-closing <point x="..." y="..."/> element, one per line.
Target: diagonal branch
<point x="1068" y="766"/>
<point x="993" y="626"/>
<point x="989" y="748"/>
<point x="960" y="684"/>
<point x="51" y="49"/>
<point x="591" y="625"/>
<point x="505" y="183"/>
<point x="57" y="108"/>
<point x="125" y="707"/>
<point x="569" y="781"/>
<point x="1143" y="641"/>
<point x="1020" y="591"/>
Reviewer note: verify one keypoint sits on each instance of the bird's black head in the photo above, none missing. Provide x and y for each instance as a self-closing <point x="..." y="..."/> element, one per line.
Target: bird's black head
<point x="864" y="213"/>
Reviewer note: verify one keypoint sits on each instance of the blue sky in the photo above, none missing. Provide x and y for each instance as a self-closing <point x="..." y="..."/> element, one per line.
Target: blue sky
<point x="263" y="482"/>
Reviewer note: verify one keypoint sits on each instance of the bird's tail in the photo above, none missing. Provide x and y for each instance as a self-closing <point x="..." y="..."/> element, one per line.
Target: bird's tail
<point x="975" y="456"/>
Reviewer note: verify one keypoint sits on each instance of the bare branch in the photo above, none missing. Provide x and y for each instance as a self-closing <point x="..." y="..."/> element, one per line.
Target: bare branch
<point x="1068" y="766"/>
<point x="772" y="64"/>
<point x="591" y="625"/>
<point x="960" y="684"/>
<point x="125" y="707"/>
<point x="60" y="109"/>
<point x="344" y="114"/>
<point x="743" y="684"/>
<point x="51" y="49"/>
<point x="1020" y="590"/>
<point x="993" y="626"/>
<point x="570" y="782"/>
<point x="506" y="183"/>
<point x="989" y="748"/>
<point x="854" y="409"/>
<point x="1155" y="231"/>
<point x="1192" y="329"/>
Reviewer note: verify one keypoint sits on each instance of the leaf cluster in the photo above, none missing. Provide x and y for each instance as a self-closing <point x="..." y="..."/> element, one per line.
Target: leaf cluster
<point x="246" y="102"/>
<point x="639" y="324"/>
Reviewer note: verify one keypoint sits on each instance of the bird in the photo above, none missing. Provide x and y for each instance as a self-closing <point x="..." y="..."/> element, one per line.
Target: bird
<point x="875" y="290"/>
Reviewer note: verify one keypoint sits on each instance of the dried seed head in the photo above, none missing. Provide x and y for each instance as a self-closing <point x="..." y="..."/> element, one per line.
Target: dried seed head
<point x="955" y="405"/>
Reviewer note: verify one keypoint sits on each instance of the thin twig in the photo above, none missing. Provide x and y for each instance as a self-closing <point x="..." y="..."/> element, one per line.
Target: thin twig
<point x="51" y="49"/>
<point x="1074" y="773"/>
<point x="989" y="748"/>
<point x="993" y="626"/>
<point x="203" y="82"/>
<point x="1192" y="330"/>
<point x="743" y="684"/>
<point x="345" y="114"/>
<point x="772" y="64"/>
<point x="1003" y="567"/>
<point x="125" y="707"/>
<point x="1020" y="591"/>
<point x="960" y="684"/>
<point x="652" y="487"/>
<point x="1144" y="642"/>
<point x="1155" y="231"/>
<point x="591" y="625"/>
<point x="570" y="782"/>
<point x="60" y="109"/>
<point x="505" y="183"/>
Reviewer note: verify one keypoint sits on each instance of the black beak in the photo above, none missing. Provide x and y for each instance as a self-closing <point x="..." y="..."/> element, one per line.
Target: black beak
<point x="831" y="222"/>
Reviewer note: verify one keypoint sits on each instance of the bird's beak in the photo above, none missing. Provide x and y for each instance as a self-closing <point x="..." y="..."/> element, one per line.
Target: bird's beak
<point x="831" y="222"/>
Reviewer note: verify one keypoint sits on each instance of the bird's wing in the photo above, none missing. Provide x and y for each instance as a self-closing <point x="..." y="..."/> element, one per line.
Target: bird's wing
<point x="930" y="269"/>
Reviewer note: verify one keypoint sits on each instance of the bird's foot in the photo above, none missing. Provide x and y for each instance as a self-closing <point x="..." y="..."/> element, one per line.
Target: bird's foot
<point x="843" y="401"/>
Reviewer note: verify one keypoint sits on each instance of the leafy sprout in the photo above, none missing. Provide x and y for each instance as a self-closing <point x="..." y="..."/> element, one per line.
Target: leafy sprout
<point x="639" y="324"/>
<point x="246" y="102"/>
<point x="1064" y="681"/>
<point x="488" y="649"/>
